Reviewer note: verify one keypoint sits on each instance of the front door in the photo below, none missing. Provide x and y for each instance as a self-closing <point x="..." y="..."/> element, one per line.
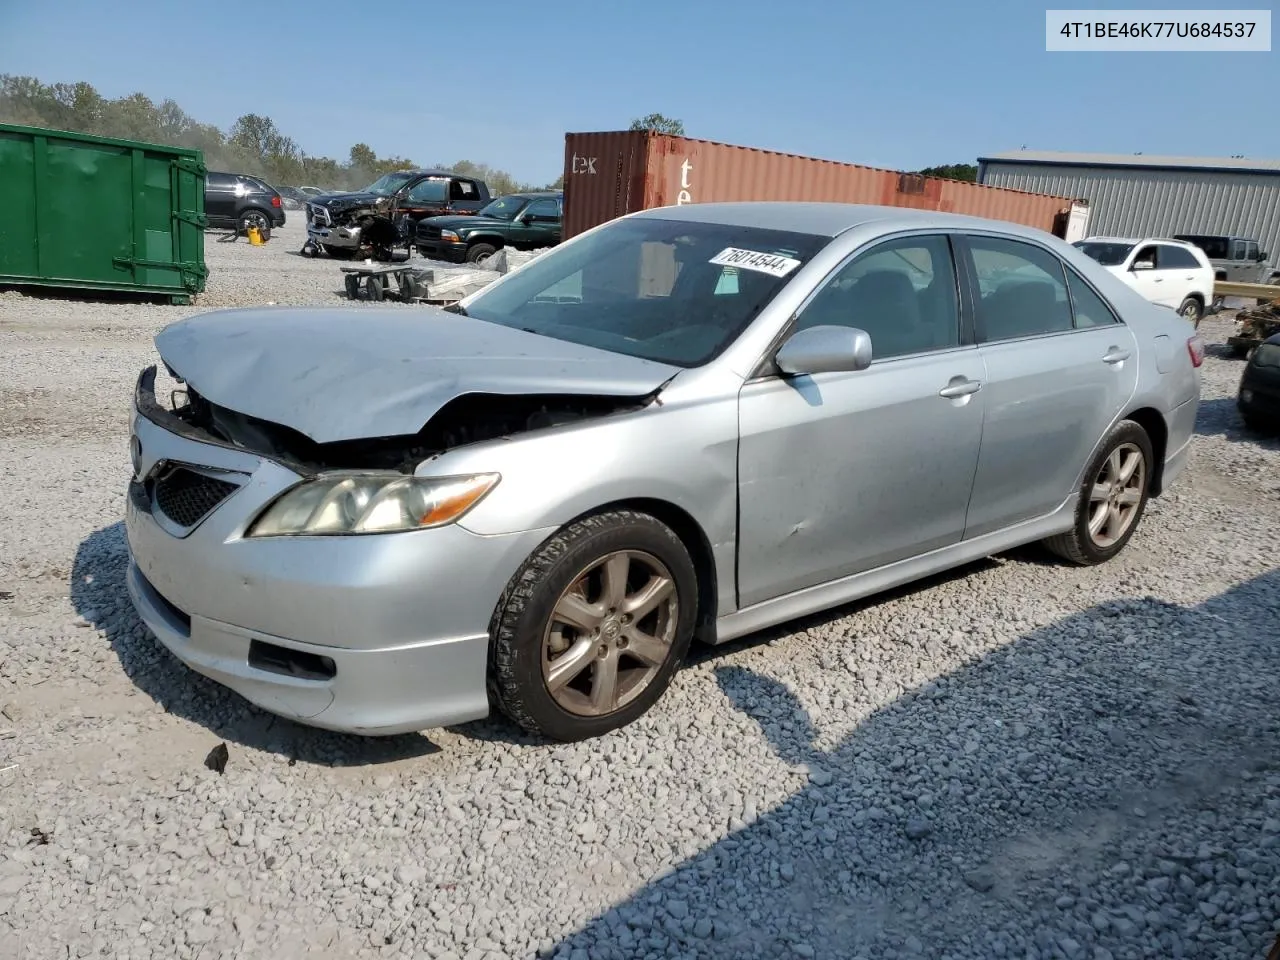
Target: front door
<point x="1060" y="368"/>
<point x="541" y="229"/>
<point x="844" y="472"/>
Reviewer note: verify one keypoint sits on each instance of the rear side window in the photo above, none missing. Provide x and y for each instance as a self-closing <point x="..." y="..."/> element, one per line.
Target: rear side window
<point x="428" y="191"/>
<point x="463" y="190"/>
<point x="544" y="210"/>
<point x="1022" y="290"/>
<point x="1237" y="249"/>
<point x="1176" y="258"/>
<point x="1089" y="309"/>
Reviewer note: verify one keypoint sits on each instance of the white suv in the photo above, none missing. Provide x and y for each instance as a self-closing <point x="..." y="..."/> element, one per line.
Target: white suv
<point x="1169" y="272"/>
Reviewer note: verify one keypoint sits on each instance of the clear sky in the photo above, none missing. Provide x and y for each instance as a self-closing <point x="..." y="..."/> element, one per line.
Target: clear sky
<point x="893" y="84"/>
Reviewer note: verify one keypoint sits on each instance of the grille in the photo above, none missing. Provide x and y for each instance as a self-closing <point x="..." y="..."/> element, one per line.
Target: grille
<point x="187" y="497"/>
<point x="426" y="232"/>
<point x="319" y="215"/>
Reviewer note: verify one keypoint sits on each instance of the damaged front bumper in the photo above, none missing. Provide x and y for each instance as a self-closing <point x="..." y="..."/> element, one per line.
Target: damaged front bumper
<point x="334" y="236"/>
<point x="373" y="634"/>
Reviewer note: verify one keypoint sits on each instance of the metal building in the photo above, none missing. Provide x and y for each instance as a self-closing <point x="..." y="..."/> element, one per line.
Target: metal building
<point x="1144" y="196"/>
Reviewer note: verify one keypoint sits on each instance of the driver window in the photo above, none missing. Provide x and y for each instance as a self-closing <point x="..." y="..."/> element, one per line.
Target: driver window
<point x="902" y="293"/>
<point x="1145" y="260"/>
<point x="428" y="191"/>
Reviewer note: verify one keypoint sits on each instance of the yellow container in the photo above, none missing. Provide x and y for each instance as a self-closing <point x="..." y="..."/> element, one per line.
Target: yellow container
<point x="255" y="236"/>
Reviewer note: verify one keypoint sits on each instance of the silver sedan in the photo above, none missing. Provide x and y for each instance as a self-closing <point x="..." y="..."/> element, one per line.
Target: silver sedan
<point x="694" y="421"/>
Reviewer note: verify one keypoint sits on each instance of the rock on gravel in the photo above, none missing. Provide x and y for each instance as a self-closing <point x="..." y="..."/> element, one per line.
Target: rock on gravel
<point x="1022" y="759"/>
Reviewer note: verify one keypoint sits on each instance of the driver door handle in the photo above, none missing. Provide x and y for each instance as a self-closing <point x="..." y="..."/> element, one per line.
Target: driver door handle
<point x="1116" y="355"/>
<point x="960" y="388"/>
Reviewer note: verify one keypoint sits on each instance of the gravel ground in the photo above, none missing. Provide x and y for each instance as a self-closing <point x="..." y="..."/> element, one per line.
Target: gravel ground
<point x="1019" y="760"/>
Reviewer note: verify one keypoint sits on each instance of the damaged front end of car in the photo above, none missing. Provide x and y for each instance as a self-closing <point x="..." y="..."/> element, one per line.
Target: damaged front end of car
<point x="355" y="226"/>
<point x="468" y="418"/>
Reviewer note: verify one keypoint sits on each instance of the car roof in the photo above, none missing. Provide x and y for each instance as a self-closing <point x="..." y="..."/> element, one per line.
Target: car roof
<point x="825" y="219"/>
<point x="1136" y="240"/>
<point x="536" y="194"/>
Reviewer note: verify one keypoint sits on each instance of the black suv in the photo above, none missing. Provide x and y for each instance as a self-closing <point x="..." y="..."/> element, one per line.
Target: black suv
<point x="236" y="202"/>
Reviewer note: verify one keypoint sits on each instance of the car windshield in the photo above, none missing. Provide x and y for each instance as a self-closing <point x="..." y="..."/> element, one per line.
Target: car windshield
<point x="504" y="208"/>
<point x="1107" y="254"/>
<point x="670" y="291"/>
<point x="387" y="185"/>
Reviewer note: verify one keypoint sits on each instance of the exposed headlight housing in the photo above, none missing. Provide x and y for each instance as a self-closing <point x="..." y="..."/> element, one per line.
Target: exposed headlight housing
<point x="347" y="504"/>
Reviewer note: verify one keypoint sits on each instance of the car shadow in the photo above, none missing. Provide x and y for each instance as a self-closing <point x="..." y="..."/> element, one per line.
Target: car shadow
<point x="99" y="596"/>
<point x="995" y="838"/>
<point x="1220" y="417"/>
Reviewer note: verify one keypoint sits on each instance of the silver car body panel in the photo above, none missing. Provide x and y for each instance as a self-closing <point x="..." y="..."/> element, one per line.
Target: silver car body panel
<point x="343" y="373"/>
<point x="804" y="492"/>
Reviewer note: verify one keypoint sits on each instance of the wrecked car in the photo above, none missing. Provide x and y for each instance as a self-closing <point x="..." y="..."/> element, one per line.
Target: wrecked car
<point x="692" y="421"/>
<point x="373" y="222"/>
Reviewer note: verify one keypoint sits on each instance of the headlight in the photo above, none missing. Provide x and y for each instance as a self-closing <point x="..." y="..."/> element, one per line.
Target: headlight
<point x="449" y="235"/>
<point x="1267" y="355"/>
<point x="367" y="503"/>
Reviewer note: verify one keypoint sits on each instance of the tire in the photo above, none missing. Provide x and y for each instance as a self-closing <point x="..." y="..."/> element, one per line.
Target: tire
<point x="373" y="288"/>
<point x="352" y="284"/>
<point x="253" y="217"/>
<point x="1079" y="545"/>
<point x="479" y="252"/>
<point x="1192" y="310"/>
<point x="527" y="638"/>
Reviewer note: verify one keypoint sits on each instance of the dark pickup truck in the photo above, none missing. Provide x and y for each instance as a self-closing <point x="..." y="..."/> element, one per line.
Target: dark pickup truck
<point x="374" y="221"/>
<point x="524" y="221"/>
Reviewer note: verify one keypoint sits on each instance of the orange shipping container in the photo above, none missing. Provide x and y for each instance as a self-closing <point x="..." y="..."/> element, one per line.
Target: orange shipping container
<point x="607" y="175"/>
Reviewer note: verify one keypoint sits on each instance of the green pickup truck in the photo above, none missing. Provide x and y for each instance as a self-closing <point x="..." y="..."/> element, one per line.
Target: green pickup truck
<point x="524" y="221"/>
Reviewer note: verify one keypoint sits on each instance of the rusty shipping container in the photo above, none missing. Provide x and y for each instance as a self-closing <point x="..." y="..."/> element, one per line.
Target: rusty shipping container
<point x="610" y="174"/>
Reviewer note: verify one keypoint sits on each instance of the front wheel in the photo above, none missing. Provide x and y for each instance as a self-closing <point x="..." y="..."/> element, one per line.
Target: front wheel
<point x="589" y="633"/>
<point x="480" y="252"/>
<point x="1113" y="497"/>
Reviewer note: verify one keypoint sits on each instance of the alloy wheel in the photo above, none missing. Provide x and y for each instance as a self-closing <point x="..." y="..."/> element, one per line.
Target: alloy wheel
<point x="610" y="633"/>
<point x="1116" y="494"/>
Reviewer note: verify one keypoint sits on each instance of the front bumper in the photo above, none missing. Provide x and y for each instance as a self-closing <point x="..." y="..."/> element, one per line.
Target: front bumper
<point x="335" y="236"/>
<point x="448" y="251"/>
<point x="400" y="621"/>
<point x="1259" y="394"/>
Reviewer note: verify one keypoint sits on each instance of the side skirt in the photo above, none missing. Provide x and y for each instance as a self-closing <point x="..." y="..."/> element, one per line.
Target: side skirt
<point x="824" y="596"/>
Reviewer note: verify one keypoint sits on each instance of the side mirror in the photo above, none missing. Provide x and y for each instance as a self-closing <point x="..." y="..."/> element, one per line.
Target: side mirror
<point x="1262" y="255"/>
<point x="1142" y="265"/>
<point x="827" y="349"/>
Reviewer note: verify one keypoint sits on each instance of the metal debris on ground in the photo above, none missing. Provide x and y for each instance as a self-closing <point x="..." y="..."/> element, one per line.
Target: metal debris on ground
<point x="1253" y="325"/>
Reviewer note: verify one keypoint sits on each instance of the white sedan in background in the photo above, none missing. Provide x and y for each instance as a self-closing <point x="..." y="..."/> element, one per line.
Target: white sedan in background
<point x="1168" y="272"/>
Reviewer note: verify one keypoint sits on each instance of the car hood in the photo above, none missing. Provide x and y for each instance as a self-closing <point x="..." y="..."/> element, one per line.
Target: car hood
<point x="357" y="373"/>
<point x="344" y="201"/>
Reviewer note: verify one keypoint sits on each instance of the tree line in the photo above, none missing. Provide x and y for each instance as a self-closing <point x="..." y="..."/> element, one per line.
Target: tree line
<point x="253" y="145"/>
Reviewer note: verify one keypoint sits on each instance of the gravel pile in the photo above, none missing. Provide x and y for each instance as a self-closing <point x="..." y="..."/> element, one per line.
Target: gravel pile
<point x="1020" y="760"/>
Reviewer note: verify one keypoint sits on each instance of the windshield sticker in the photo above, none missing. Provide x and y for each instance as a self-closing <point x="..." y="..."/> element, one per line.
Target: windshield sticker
<point x="770" y="263"/>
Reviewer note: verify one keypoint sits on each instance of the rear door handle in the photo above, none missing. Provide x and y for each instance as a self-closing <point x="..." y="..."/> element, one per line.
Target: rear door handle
<point x="960" y="388"/>
<point x="1116" y="355"/>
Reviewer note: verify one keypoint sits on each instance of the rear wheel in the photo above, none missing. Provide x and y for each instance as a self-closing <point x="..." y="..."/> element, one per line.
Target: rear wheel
<point x="590" y="631"/>
<point x="1192" y="309"/>
<point x="254" y="217"/>
<point x="1113" y="497"/>
<point x="480" y="252"/>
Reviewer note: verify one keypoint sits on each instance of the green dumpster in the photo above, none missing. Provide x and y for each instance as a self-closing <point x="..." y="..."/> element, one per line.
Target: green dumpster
<point x="97" y="213"/>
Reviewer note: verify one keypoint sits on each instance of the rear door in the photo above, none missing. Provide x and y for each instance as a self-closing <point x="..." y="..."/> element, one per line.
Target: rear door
<point x="220" y="197"/>
<point x="1181" y="272"/>
<point x="464" y="196"/>
<point x="1060" y="368"/>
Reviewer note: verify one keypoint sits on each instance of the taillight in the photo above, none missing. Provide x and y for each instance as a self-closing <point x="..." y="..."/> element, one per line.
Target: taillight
<point x="1196" y="349"/>
<point x="275" y="201"/>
